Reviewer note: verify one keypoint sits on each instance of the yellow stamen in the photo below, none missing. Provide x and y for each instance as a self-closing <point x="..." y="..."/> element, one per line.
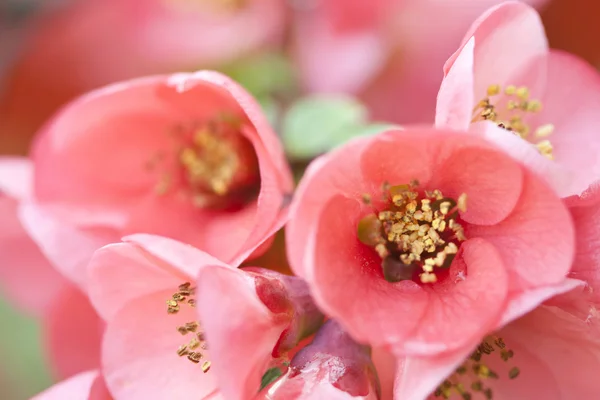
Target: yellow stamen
<point x="414" y="233"/>
<point x="189" y="350"/>
<point x="517" y="106"/>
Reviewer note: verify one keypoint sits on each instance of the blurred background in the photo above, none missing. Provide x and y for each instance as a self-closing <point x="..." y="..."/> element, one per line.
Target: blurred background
<point x="380" y="52"/>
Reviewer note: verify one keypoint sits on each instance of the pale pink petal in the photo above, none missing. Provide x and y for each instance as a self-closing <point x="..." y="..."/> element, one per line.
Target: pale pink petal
<point x="139" y="352"/>
<point x="553" y="173"/>
<point x="521" y="303"/>
<point x="557" y="354"/>
<point x="87" y="385"/>
<point x="571" y="103"/>
<point x="185" y="258"/>
<point x="122" y="272"/>
<point x="26" y="276"/>
<point x="539" y="227"/>
<point x="490" y="179"/>
<point x="418" y="377"/>
<point x="241" y="331"/>
<point x="72" y="333"/>
<point x="455" y="102"/>
<point x="128" y="121"/>
<point x="67" y="247"/>
<point x="307" y="203"/>
<point x="16" y="177"/>
<point x="585" y="211"/>
<point x="475" y="298"/>
<point x="507" y="37"/>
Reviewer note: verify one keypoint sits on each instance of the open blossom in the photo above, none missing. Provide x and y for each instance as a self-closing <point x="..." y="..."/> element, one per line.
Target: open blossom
<point x="70" y="327"/>
<point x="547" y="354"/>
<point x="425" y="245"/>
<point x="332" y="367"/>
<point x="397" y="48"/>
<point x="86" y="44"/>
<point x="188" y="156"/>
<point x="215" y="336"/>
<point x="504" y="73"/>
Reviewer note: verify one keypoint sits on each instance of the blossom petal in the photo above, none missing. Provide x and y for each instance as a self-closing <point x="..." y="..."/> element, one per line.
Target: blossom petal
<point x="140" y="345"/>
<point x="124" y="271"/>
<point x="67" y="247"/>
<point x="490" y="179"/>
<point x="475" y="298"/>
<point x="87" y="385"/>
<point x="556" y="354"/>
<point x="553" y="173"/>
<point x="455" y="102"/>
<point x="27" y="277"/>
<point x="240" y="329"/>
<point x="73" y="333"/>
<point x="418" y="377"/>
<point x="354" y="272"/>
<point x="507" y="37"/>
<point x="539" y="227"/>
<point x="16" y="177"/>
<point x="571" y="103"/>
<point x="307" y="204"/>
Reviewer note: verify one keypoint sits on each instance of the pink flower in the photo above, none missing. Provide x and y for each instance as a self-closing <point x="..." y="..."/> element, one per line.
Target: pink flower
<point x="332" y="367"/>
<point x="90" y="43"/>
<point x="71" y="329"/>
<point x="397" y="48"/>
<point x="87" y="385"/>
<point x="250" y="318"/>
<point x="188" y="156"/>
<point x="547" y="354"/>
<point x="423" y="241"/>
<point x="504" y="73"/>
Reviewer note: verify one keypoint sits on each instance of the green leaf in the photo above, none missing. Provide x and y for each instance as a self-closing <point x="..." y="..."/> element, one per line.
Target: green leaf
<point x="269" y="377"/>
<point x="263" y="74"/>
<point x="316" y="124"/>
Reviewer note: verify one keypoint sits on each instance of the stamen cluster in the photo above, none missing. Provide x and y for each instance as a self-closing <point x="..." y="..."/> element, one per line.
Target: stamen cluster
<point x="417" y="234"/>
<point x="198" y="341"/>
<point x="518" y="103"/>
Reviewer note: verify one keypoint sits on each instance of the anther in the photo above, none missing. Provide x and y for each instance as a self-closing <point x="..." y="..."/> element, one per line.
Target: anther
<point x="206" y="366"/>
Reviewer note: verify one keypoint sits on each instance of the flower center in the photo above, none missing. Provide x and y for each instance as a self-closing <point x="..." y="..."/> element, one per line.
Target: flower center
<point x="417" y="236"/>
<point x="470" y="377"/>
<point x="216" y="165"/>
<point x="193" y="349"/>
<point x="510" y="115"/>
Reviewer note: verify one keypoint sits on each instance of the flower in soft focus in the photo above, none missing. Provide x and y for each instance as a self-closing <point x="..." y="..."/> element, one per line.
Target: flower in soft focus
<point x="247" y="320"/>
<point x="425" y="240"/>
<point x="504" y="73"/>
<point x="70" y="327"/>
<point x="87" y="385"/>
<point x="189" y="156"/>
<point x="547" y="354"/>
<point x="332" y="367"/>
<point x="389" y="52"/>
<point x="85" y="44"/>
